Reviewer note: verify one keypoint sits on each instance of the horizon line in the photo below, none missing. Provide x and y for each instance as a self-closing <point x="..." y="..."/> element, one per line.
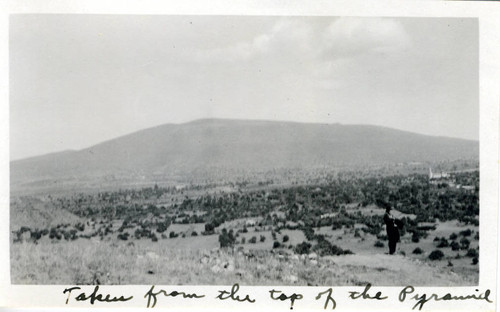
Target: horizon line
<point x="68" y="150"/>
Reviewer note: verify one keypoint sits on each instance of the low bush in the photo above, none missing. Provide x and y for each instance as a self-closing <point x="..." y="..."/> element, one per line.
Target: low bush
<point x="472" y="253"/>
<point x="226" y="238"/>
<point x="303" y="248"/>
<point x="466" y="233"/>
<point x="443" y="242"/>
<point x="464" y="243"/>
<point x="162" y="227"/>
<point x="123" y="236"/>
<point x="415" y="237"/>
<point x="356" y="233"/>
<point x="436" y="255"/>
<point x="418" y="251"/>
<point x="325" y="248"/>
<point x="379" y="244"/>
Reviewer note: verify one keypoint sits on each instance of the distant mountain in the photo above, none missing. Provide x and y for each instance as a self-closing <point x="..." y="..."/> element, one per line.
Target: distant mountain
<point x="242" y="144"/>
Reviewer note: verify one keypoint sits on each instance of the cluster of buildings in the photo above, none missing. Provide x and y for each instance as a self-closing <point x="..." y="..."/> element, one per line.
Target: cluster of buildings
<point x="445" y="177"/>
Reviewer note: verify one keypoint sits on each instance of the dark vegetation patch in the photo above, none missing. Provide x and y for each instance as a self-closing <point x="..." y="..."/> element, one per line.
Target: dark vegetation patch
<point x="337" y="202"/>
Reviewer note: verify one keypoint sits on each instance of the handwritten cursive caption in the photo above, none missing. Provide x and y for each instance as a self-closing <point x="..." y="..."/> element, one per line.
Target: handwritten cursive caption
<point x="417" y="300"/>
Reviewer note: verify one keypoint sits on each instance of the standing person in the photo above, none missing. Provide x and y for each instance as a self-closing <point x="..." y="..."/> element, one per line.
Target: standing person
<point x="392" y="230"/>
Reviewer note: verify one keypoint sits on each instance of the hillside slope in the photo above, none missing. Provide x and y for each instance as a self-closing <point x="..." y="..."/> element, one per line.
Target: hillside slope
<point x="239" y="144"/>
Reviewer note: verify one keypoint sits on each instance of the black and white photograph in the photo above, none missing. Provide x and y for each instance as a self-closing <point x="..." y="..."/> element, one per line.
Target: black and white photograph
<point x="279" y="156"/>
<point x="258" y="149"/>
<point x="263" y="150"/>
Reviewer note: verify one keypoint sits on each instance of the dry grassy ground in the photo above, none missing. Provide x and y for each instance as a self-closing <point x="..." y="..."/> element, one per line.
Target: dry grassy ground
<point x="195" y="260"/>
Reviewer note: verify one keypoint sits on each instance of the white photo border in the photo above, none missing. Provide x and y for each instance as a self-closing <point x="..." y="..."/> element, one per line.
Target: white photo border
<point x="488" y="15"/>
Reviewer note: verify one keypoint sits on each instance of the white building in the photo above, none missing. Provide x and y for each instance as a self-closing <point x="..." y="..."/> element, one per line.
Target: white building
<point x="437" y="176"/>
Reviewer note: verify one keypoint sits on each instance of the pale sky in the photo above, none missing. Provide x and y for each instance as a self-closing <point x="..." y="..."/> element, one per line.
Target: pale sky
<point x="77" y="80"/>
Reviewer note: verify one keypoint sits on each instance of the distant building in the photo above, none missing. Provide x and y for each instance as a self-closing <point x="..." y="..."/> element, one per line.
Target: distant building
<point x="437" y="176"/>
<point x="180" y="187"/>
<point x="250" y="222"/>
<point x="466" y="187"/>
<point x="328" y="215"/>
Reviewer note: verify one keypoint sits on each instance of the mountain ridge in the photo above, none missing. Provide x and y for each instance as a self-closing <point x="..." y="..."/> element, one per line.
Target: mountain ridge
<point x="206" y="120"/>
<point x="243" y="144"/>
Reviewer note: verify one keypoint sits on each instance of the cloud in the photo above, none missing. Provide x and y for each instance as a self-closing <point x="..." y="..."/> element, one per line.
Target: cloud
<point x="344" y="37"/>
<point x="286" y="37"/>
<point x="351" y="36"/>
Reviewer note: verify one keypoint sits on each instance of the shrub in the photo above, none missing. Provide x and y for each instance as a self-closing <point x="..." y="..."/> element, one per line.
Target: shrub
<point x="253" y="240"/>
<point x="418" y="251"/>
<point x="137" y="234"/>
<point x="464" y="243"/>
<point x="415" y="237"/>
<point x="436" y="255"/>
<point x="161" y="227"/>
<point x="123" y="236"/>
<point x="356" y="233"/>
<point x="209" y="228"/>
<point x="325" y="248"/>
<point x="262" y="238"/>
<point x="194" y="233"/>
<point x="443" y="243"/>
<point x="453" y="236"/>
<point x="276" y="244"/>
<point x="475" y="261"/>
<point x="472" y="253"/>
<point x="286" y="238"/>
<point x="243" y="240"/>
<point x="172" y="234"/>
<point x="303" y="248"/>
<point x="308" y="232"/>
<point x="36" y="235"/>
<point x="226" y="239"/>
<point x="466" y="233"/>
<point x="455" y="246"/>
<point x="154" y="238"/>
<point x="80" y="226"/>
<point x="379" y="244"/>
<point x="53" y="233"/>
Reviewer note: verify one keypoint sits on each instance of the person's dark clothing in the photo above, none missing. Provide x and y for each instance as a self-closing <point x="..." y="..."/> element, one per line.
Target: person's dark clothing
<point x="392" y="232"/>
